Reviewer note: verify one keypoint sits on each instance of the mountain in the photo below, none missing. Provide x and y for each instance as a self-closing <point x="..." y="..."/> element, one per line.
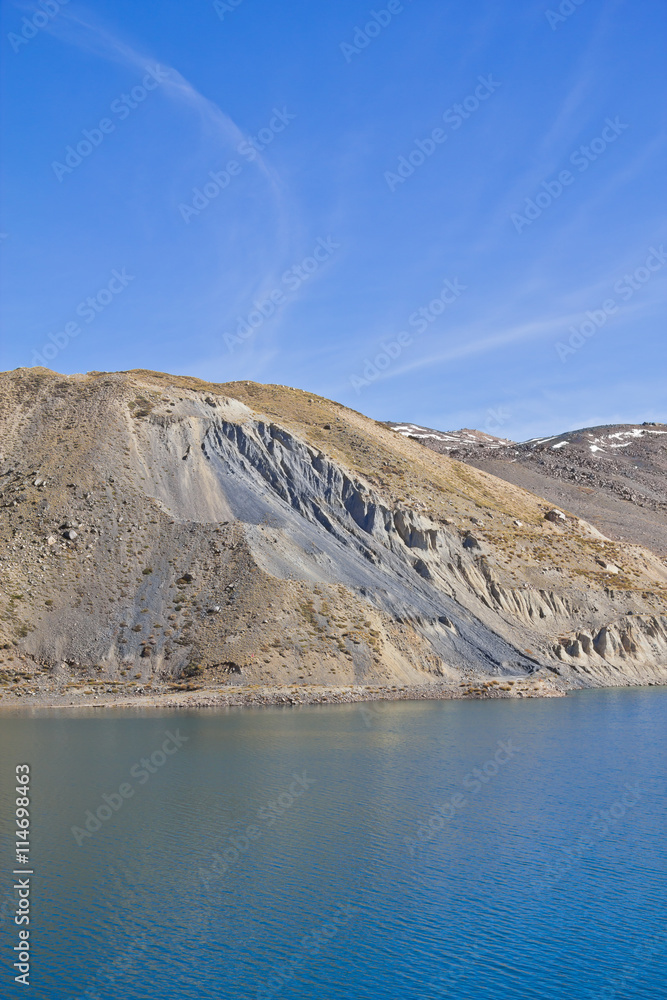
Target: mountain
<point x="613" y="476"/>
<point x="446" y="442"/>
<point x="173" y="537"/>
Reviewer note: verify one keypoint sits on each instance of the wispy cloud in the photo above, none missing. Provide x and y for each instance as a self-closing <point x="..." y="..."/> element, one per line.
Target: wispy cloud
<point x="473" y="340"/>
<point x="84" y="31"/>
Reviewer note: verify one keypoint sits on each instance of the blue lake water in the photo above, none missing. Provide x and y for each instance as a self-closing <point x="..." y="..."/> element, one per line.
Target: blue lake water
<point x="403" y="850"/>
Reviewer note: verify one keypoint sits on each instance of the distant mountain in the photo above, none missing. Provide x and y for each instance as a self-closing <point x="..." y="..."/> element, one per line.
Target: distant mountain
<point x="445" y="442"/>
<point x="161" y="534"/>
<point x="613" y="476"/>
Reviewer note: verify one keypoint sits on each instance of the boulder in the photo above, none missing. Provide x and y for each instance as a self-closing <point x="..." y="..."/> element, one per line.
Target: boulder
<point x="607" y="566"/>
<point x="555" y="516"/>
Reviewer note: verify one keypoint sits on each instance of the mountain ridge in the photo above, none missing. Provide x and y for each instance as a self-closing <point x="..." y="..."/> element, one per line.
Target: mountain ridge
<point x="614" y="476"/>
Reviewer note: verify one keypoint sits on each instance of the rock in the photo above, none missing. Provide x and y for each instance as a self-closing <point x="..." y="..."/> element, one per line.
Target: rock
<point x="607" y="567"/>
<point x="603" y="643"/>
<point x="51" y="540"/>
<point x="555" y="516"/>
<point x="470" y="542"/>
<point x="70" y="534"/>
<point x="214" y="610"/>
<point x="518" y="524"/>
<point x="586" y="642"/>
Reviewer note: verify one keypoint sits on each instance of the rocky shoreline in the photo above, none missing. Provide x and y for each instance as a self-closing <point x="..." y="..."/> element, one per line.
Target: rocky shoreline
<point x="254" y="696"/>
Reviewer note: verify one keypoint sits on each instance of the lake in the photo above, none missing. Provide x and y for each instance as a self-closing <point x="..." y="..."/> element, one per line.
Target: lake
<point x="486" y="849"/>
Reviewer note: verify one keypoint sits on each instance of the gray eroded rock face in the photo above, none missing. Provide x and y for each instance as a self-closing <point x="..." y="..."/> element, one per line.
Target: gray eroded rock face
<point x="306" y="518"/>
<point x="625" y="652"/>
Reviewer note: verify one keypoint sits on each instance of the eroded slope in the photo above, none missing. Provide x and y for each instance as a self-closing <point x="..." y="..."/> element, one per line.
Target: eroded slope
<point x="159" y="530"/>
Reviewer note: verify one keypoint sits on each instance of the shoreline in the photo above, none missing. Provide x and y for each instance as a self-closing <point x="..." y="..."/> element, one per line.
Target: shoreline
<point x="291" y="695"/>
<point x="257" y="696"/>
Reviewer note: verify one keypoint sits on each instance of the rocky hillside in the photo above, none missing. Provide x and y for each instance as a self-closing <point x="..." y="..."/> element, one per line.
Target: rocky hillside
<point x="161" y="534"/>
<point x="614" y="476"/>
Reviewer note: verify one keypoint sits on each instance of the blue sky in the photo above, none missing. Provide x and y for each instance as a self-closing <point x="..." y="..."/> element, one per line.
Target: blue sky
<point x="447" y="213"/>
